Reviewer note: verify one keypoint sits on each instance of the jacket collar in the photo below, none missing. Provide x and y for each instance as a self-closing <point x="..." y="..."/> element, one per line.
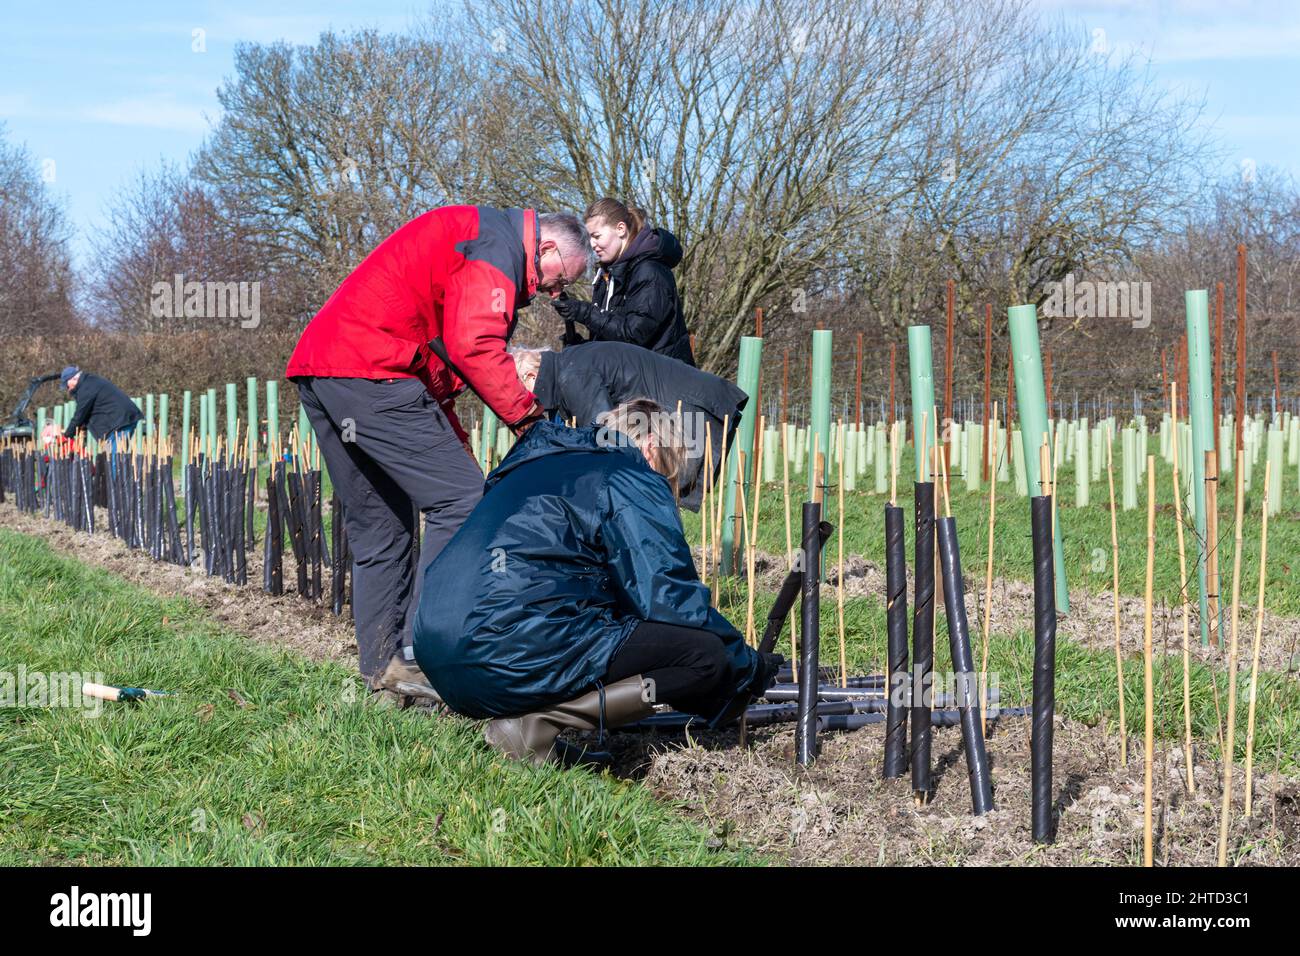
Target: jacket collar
<point x="545" y="389"/>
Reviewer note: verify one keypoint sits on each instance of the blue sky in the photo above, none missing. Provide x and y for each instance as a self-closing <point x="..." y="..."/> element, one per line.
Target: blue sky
<point x="104" y="90"/>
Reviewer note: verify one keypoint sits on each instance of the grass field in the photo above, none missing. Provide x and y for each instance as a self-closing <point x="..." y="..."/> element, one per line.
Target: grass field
<point x="310" y="771"/>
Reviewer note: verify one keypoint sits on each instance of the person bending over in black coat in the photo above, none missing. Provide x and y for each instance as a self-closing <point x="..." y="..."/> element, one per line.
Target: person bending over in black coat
<point x="102" y="407"/>
<point x="583" y="382"/>
<point x="634" y="298"/>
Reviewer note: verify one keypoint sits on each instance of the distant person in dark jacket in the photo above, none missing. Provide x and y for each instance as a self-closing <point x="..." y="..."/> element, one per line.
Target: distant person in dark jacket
<point x="569" y="599"/>
<point x="634" y="297"/>
<point x="102" y="408"/>
<point x="588" y="380"/>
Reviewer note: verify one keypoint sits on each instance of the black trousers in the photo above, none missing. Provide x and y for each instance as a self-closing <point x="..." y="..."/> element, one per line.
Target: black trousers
<point x="690" y="668"/>
<point x="393" y="457"/>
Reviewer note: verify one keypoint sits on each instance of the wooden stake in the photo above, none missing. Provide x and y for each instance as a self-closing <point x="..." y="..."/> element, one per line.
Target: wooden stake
<point x="1259" y="630"/>
<point x="1218" y="366"/>
<point x="1148" y="856"/>
<point x="990" y="437"/>
<point x="1229" y="742"/>
<point x="1114" y="564"/>
<point x="1241" y="348"/>
<point x="1184" y="599"/>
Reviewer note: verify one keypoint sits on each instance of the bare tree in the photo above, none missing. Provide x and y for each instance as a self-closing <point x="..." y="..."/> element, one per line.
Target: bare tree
<point x="36" y="279"/>
<point x="324" y="150"/>
<point x="760" y="134"/>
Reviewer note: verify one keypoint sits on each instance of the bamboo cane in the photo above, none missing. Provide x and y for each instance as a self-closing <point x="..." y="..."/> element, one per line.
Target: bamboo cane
<point x="893" y="464"/>
<point x="705" y="502"/>
<point x="988" y="593"/>
<point x="789" y="545"/>
<point x="1148" y="857"/>
<point x="1230" y="735"/>
<point x="1183" y="599"/>
<point x="1114" y="564"/>
<point x="720" y="482"/>
<point x="1259" y="630"/>
<point x="744" y="523"/>
<point x="752" y="535"/>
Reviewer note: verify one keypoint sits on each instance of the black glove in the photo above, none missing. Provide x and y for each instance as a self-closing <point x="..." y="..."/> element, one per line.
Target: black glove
<point x="566" y="306"/>
<point x="768" y="667"/>
<point x="571" y="335"/>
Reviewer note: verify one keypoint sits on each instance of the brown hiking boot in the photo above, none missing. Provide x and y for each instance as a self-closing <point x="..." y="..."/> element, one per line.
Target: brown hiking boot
<point x="407" y="683"/>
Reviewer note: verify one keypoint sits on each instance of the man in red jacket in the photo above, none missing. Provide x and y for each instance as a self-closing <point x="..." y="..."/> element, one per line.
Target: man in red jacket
<point x="380" y="399"/>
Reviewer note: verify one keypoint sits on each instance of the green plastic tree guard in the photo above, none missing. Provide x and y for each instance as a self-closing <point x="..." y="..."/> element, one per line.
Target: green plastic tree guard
<point x="212" y="422"/>
<point x="254" y="420"/>
<point x="1129" y="463"/>
<point x="1031" y="402"/>
<point x="272" y="411"/>
<point x="1018" y="463"/>
<point x="187" y="400"/>
<point x="232" y="417"/>
<point x="203" y="424"/>
<point x="488" y="440"/>
<point x="1200" y="405"/>
<point x="1082" y="471"/>
<point x="1276" y="476"/>
<point x="747" y="372"/>
<point x="163" y="423"/>
<point x="920" y="367"/>
<point x="820" y="426"/>
<point x="881" y="455"/>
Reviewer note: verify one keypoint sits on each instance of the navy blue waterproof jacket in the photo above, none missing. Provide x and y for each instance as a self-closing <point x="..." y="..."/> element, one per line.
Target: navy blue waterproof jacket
<point x="573" y="545"/>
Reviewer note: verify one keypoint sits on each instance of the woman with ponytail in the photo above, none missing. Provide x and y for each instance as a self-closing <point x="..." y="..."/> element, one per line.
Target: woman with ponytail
<point x="634" y="296"/>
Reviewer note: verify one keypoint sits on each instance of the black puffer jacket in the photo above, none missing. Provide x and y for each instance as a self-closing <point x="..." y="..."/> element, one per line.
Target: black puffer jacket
<point x="635" y="299"/>
<point x="585" y="380"/>
<point x="102" y="407"/>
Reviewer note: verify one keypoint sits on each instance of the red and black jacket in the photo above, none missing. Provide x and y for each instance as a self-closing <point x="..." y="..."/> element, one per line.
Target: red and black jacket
<point x="458" y="273"/>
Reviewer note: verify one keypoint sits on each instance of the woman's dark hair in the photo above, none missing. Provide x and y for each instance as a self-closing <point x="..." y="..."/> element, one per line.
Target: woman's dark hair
<point x="614" y="212"/>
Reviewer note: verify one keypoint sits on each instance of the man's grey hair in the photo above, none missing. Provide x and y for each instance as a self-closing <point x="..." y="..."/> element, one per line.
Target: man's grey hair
<point x="527" y="361"/>
<point x="569" y="234"/>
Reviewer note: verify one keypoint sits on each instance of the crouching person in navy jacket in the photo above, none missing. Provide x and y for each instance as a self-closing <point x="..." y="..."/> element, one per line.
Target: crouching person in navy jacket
<point x="569" y="598"/>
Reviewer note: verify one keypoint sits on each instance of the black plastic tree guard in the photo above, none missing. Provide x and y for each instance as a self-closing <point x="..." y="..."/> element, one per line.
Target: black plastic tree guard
<point x="896" y="605"/>
<point x="967" y="692"/>
<point x="1040" y="741"/>
<point x="922" y="638"/>
<point x="805" y="732"/>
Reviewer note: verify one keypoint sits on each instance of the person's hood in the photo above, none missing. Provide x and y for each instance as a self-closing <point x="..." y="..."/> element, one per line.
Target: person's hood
<point x="654" y="244"/>
<point x="549" y="438"/>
